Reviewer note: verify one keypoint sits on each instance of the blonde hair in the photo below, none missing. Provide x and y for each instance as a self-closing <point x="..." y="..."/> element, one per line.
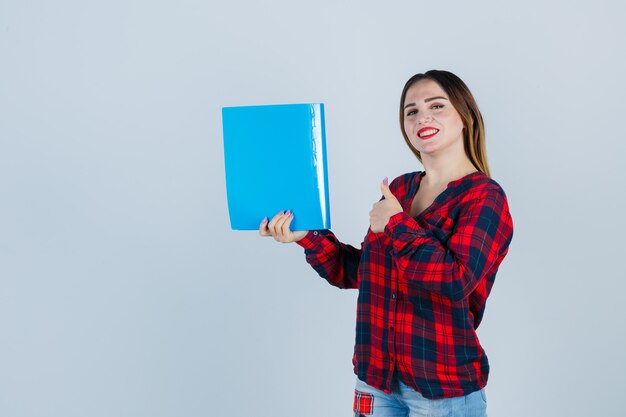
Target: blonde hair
<point x="464" y="103"/>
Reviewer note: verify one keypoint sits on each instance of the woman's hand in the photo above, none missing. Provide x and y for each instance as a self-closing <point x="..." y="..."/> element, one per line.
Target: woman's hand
<point x="278" y="228"/>
<point x="384" y="209"/>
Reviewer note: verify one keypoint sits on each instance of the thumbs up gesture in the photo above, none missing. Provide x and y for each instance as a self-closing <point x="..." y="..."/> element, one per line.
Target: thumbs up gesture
<point x="384" y="209"/>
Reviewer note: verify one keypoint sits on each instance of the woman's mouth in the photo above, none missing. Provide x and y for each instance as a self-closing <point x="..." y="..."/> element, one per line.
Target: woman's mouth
<point x="427" y="132"/>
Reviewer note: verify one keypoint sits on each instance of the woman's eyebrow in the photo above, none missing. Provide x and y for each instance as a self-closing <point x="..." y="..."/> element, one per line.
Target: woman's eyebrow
<point x="434" y="98"/>
<point x="427" y="100"/>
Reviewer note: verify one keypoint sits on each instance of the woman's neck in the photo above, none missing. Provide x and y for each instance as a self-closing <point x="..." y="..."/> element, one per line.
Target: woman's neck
<point x="442" y="170"/>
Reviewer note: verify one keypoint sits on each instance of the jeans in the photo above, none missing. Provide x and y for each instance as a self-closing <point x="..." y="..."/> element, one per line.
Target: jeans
<point x="404" y="401"/>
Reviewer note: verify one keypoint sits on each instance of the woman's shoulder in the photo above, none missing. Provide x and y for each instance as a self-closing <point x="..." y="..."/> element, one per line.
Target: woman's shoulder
<point x="483" y="189"/>
<point x="490" y="185"/>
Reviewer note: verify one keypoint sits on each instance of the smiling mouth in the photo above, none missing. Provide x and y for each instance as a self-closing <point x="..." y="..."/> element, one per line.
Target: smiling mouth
<point x="427" y="134"/>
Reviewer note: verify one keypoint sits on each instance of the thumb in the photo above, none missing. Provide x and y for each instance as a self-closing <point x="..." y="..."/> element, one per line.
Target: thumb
<point x="384" y="187"/>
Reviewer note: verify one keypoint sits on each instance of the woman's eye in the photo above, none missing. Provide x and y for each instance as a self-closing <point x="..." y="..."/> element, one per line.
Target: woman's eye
<point x="437" y="106"/>
<point x="412" y="112"/>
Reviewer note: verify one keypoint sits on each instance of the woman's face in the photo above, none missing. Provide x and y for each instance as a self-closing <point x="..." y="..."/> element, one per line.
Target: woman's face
<point x="430" y="122"/>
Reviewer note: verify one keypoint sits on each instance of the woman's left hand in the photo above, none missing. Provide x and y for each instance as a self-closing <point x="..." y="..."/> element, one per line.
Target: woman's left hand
<point x="384" y="209"/>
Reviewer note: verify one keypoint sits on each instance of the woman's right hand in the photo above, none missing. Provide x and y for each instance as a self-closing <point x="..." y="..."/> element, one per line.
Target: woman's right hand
<point x="279" y="229"/>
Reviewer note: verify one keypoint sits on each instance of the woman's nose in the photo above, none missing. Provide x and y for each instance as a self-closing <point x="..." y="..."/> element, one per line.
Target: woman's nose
<point x="425" y="119"/>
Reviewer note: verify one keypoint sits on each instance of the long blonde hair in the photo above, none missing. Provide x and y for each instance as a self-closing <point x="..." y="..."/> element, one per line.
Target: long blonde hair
<point x="464" y="103"/>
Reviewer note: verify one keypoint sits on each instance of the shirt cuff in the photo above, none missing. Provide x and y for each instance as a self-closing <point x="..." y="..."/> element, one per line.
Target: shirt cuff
<point x="394" y="221"/>
<point x="311" y="240"/>
<point x="401" y="223"/>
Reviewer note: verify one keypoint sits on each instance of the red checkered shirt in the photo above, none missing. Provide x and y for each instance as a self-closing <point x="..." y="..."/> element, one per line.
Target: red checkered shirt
<point x="423" y="284"/>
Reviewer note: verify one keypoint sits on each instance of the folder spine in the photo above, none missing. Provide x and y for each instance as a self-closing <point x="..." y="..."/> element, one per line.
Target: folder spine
<point x="320" y="160"/>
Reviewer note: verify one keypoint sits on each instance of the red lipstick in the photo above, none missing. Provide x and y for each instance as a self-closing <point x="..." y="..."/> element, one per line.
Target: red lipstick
<point x="432" y="131"/>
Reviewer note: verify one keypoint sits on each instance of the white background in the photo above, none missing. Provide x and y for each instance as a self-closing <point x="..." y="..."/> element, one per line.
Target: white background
<point x="123" y="291"/>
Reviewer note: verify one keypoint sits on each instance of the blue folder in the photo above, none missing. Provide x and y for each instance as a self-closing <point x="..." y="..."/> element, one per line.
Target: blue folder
<point x="275" y="159"/>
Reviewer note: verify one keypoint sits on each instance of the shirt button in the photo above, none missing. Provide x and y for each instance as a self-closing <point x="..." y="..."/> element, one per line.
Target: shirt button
<point x="391" y="329"/>
<point x="393" y="296"/>
<point x="315" y="233"/>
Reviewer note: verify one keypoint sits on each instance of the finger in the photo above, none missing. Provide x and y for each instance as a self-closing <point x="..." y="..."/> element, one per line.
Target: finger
<point x="286" y="226"/>
<point x="384" y="188"/>
<point x="281" y="231"/>
<point x="277" y="230"/>
<point x="272" y="224"/>
<point x="263" y="228"/>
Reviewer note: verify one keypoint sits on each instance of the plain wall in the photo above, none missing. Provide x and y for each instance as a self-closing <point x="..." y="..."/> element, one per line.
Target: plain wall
<point x="123" y="291"/>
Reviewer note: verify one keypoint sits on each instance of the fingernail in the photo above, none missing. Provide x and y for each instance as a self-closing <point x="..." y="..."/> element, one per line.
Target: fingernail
<point x="386" y="181"/>
<point x="288" y="212"/>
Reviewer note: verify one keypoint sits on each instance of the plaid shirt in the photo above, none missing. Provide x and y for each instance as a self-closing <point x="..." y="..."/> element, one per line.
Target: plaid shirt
<point x="423" y="284"/>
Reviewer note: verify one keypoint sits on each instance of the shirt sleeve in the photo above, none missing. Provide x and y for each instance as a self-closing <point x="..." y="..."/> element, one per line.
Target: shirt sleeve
<point x="334" y="261"/>
<point x="453" y="268"/>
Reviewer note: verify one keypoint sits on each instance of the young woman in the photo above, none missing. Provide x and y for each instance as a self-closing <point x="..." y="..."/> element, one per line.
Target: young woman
<point x="427" y="264"/>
